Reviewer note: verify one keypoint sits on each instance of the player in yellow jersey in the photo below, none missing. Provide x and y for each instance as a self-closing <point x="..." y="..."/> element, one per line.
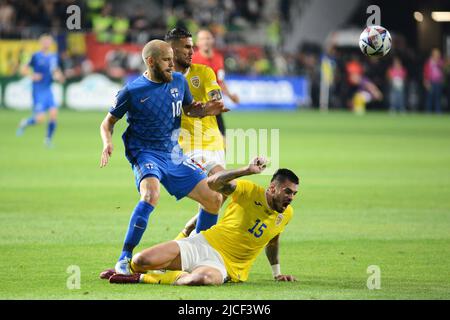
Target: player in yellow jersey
<point x="200" y="139"/>
<point x="253" y="220"/>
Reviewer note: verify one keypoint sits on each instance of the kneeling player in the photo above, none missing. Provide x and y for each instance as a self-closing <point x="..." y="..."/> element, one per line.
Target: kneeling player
<point x="254" y="219"/>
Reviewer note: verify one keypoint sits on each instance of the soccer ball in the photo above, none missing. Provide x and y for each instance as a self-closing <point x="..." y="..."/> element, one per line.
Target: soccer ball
<point x="375" y="41"/>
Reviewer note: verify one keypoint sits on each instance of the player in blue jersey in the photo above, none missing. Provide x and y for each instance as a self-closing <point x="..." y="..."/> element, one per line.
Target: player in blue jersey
<point x="42" y="68"/>
<point x="153" y="104"/>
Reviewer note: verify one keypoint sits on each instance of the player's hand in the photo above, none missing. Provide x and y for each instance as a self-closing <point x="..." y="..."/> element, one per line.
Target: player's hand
<point x="287" y="278"/>
<point x="36" y="77"/>
<point x="215" y="107"/>
<point x="106" y="154"/>
<point x="257" y="165"/>
<point x="59" y="76"/>
<point x="235" y="98"/>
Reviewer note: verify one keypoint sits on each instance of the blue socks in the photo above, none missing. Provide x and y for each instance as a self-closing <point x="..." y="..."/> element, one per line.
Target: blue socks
<point x="51" y="129"/>
<point x="30" y="121"/>
<point x="136" y="228"/>
<point x="205" y="220"/>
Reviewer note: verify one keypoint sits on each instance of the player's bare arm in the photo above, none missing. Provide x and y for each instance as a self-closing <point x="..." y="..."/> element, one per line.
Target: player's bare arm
<point x="223" y="181"/>
<point x="200" y="110"/>
<point x="234" y="97"/>
<point x="272" y="249"/>
<point x="59" y="76"/>
<point x="106" y="132"/>
<point x="27" y="71"/>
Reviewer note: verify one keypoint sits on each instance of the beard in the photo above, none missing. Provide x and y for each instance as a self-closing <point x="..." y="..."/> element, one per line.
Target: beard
<point x="183" y="63"/>
<point x="162" y="75"/>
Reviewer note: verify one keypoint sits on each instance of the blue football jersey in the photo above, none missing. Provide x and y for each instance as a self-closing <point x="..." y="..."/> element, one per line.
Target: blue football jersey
<point x="44" y="64"/>
<point x="153" y="112"/>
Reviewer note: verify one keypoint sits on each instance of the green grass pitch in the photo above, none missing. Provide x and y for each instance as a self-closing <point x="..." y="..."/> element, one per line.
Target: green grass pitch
<point x="375" y="190"/>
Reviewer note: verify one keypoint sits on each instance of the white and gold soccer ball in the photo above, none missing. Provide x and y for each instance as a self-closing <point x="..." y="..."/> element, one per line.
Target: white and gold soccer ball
<point x="375" y="41"/>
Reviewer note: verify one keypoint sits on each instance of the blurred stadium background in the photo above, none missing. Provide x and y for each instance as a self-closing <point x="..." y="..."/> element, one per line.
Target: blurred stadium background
<point x="374" y="188"/>
<point x="312" y="41"/>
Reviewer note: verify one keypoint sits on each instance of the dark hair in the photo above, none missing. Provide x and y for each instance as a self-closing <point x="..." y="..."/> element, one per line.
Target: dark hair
<point x="282" y="175"/>
<point x="177" y="33"/>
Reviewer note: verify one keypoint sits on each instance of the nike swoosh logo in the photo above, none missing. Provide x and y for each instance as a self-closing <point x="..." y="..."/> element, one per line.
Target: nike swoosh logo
<point x="143" y="100"/>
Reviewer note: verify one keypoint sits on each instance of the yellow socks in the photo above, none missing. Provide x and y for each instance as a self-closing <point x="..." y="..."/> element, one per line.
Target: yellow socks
<point x="135" y="268"/>
<point x="167" y="277"/>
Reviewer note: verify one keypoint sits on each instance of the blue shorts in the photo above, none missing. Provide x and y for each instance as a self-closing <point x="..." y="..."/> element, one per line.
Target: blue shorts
<point x="43" y="101"/>
<point x="179" y="178"/>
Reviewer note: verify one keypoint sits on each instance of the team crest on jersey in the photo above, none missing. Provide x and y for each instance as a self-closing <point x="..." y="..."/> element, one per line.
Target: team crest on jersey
<point x="174" y="92"/>
<point x="195" y="81"/>
<point x="279" y="219"/>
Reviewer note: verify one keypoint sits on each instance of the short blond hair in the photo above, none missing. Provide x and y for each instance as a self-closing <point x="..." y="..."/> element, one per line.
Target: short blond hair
<point x="153" y="49"/>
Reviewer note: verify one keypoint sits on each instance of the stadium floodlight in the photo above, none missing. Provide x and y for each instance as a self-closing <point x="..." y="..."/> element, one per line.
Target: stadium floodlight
<point x="441" y="16"/>
<point x="418" y="16"/>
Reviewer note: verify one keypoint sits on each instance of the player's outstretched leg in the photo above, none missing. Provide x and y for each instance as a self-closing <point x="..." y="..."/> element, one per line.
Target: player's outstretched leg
<point x="162" y="256"/>
<point x="200" y="276"/>
<point x="166" y="256"/>
<point x="210" y="201"/>
<point x="31" y="121"/>
<point x="192" y="223"/>
<point x="149" y="190"/>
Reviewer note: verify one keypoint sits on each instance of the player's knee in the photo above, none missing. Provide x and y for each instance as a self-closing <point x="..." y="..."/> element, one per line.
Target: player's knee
<point x="214" y="202"/>
<point x="40" y="118"/>
<point x="140" y="260"/>
<point x="200" y="279"/>
<point x="150" y="196"/>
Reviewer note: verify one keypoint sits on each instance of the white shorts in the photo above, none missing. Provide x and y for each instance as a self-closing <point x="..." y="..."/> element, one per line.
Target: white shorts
<point x="207" y="159"/>
<point x="195" y="251"/>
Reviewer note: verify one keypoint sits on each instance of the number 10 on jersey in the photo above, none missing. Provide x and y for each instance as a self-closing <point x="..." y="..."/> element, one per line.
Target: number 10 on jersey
<point x="176" y="108"/>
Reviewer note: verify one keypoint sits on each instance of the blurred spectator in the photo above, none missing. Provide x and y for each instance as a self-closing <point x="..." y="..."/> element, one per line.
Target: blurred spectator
<point x="397" y="77"/>
<point x="362" y="89"/>
<point x="261" y="65"/>
<point x="208" y="55"/>
<point x="354" y="71"/>
<point x="120" y="27"/>
<point x="75" y="65"/>
<point x="433" y="79"/>
<point x="102" y="24"/>
<point x="7" y="18"/>
<point x="117" y="64"/>
<point x="273" y="32"/>
<point x="367" y="92"/>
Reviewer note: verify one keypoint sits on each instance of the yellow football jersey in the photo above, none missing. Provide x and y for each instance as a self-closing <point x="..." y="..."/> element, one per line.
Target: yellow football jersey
<point x="204" y="133"/>
<point x="247" y="226"/>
